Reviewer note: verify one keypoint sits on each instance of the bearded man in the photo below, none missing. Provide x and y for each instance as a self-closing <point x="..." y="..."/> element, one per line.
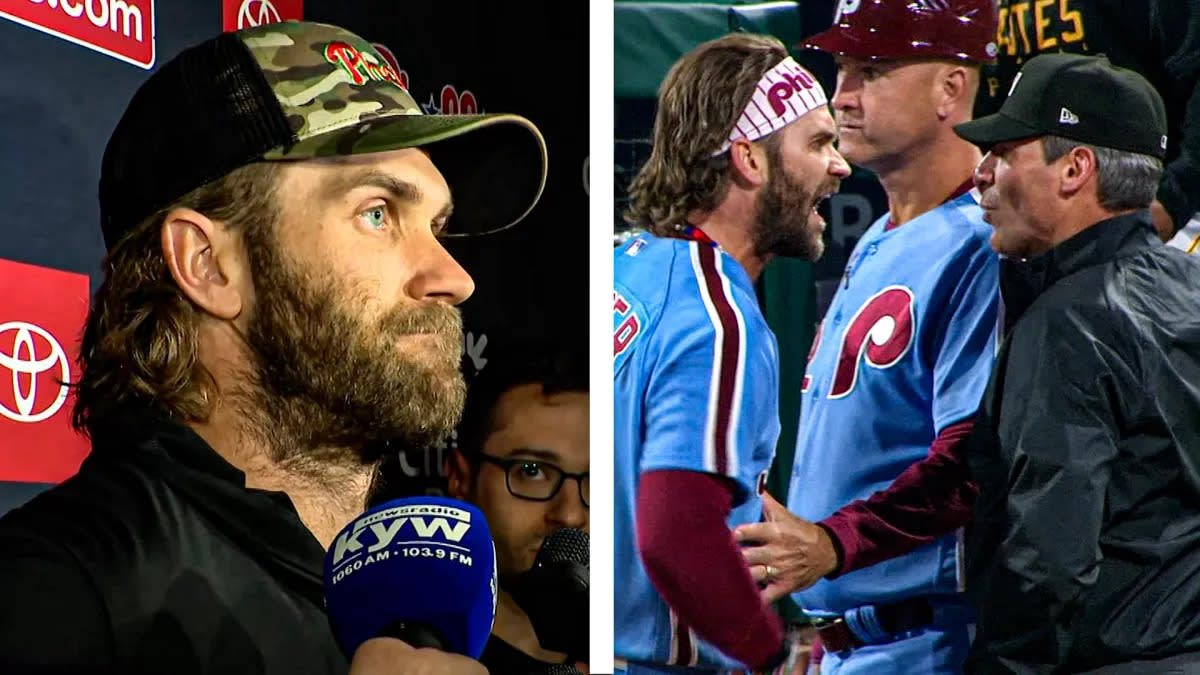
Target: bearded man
<point x="276" y="303"/>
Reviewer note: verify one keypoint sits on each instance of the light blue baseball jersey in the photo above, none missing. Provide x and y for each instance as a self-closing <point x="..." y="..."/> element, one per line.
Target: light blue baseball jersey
<point x="904" y="350"/>
<point x="695" y="387"/>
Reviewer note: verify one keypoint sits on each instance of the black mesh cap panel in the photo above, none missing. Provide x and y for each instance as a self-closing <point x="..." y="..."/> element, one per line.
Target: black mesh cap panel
<point x="202" y="115"/>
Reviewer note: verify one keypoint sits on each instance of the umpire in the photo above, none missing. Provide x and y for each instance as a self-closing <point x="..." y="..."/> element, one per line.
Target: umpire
<point x="1084" y="554"/>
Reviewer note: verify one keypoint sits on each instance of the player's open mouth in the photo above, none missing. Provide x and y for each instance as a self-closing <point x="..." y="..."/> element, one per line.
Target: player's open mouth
<point x="821" y="199"/>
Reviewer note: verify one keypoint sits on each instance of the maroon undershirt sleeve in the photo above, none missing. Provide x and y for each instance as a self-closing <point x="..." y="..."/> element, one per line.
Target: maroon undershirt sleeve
<point x="692" y="559"/>
<point x="932" y="498"/>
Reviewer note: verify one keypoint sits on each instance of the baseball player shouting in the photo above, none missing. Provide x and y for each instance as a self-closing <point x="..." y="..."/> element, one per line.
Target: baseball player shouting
<point x="743" y="152"/>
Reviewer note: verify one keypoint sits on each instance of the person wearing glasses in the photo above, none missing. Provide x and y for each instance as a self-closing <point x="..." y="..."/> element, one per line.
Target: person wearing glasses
<point x="522" y="458"/>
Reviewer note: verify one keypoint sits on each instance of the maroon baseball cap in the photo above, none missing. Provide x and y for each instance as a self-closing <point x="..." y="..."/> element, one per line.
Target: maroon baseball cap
<point x="894" y="29"/>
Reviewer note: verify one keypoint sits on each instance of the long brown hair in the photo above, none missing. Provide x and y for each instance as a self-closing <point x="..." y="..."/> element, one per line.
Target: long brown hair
<point x="698" y="103"/>
<point x="140" y="344"/>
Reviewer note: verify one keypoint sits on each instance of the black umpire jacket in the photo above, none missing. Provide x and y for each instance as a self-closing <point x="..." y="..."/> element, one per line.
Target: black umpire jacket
<point x="1085" y="544"/>
<point x="156" y="558"/>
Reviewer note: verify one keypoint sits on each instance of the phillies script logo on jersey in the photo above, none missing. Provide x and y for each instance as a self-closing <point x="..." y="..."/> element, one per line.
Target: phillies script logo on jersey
<point x="122" y="29"/>
<point x="42" y="312"/>
<point x="879" y="334"/>
<point x="242" y="14"/>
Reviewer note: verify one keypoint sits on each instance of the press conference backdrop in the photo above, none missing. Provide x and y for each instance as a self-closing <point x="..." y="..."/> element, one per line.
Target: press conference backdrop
<point x="67" y="69"/>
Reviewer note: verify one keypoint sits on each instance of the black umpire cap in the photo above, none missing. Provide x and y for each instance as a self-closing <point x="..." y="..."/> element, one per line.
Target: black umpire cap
<point x="1083" y="98"/>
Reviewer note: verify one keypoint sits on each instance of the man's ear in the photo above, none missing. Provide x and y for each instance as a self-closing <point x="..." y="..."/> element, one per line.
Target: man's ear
<point x="748" y="162"/>
<point x="459" y="475"/>
<point x="206" y="260"/>
<point x="1078" y="168"/>
<point x="954" y="86"/>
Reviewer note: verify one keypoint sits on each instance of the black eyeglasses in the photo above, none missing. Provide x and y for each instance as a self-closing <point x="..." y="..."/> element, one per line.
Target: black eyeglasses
<point x="536" y="480"/>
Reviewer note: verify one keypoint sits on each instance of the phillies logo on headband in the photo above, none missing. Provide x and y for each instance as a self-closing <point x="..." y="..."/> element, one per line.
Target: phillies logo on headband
<point x="783" y="95"/>
<point x="792" y="83"/>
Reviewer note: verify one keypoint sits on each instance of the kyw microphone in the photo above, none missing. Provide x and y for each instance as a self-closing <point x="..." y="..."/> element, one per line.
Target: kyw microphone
<point x="421" y="569"/>
<point x="554" y="593"/>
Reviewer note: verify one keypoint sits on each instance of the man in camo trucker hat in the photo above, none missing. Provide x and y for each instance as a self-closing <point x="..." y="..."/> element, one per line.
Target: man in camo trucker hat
<point x="298" y="90"/>
<point x="276" y="304"/>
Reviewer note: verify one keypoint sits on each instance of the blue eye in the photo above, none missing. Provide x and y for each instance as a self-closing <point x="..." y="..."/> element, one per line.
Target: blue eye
<point x="375" y="217"/>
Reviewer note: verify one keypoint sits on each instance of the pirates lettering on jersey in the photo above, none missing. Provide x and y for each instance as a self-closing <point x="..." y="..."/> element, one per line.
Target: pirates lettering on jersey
<point x="1032" y="27"/>
<point x="879" y="334"/>
<point x="1038" y="26"/>
<point x="627" y="330"/>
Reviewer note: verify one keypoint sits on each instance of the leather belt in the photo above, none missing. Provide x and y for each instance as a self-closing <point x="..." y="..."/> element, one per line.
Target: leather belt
<point x="835" y="635"/>
<point x="898" y="617"/>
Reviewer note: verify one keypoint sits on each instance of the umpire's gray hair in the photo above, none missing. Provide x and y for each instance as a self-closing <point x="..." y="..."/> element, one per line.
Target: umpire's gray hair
<point x="1126" y="180"/>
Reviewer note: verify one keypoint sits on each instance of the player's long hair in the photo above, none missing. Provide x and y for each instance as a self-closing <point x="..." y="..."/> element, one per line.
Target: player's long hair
<point x="141" y="346"/>
<point x="698" y="103"/>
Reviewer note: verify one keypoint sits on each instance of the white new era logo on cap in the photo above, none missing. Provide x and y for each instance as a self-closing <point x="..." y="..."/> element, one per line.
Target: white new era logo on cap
<point x="1067" y="117"/>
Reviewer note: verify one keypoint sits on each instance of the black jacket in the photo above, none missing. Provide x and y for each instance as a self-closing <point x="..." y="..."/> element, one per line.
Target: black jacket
<point x="1085" y="544"/>
<point x="1158" y="38"/>
<point x="155" y="558"/>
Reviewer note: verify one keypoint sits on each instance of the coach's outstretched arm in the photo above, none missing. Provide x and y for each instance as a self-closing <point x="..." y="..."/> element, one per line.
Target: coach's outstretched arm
<point x="933" y="496"/>
<point x="931" y="499"/>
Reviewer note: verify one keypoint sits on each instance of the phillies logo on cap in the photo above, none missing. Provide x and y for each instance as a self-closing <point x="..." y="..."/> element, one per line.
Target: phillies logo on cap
<point x="390" y="57"/>
<point x="242" y="14"/>
<point x="845" y="7"/>
<point x="122" y="29"/>
<point x="361" y="66"/>
<point x="42" y="312"/>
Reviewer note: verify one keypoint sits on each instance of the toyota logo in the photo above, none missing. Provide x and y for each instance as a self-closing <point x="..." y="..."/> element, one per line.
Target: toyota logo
<point x="24" y="361"/>
<point x="256" y="13"/>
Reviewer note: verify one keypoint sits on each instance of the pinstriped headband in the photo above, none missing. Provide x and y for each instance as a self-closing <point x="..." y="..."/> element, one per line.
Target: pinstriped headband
<point x="783" y="95"/>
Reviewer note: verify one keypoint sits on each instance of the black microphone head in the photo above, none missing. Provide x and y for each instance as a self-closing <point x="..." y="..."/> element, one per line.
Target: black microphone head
<point x="567" y="545"/>
<point x="554" y="592"/>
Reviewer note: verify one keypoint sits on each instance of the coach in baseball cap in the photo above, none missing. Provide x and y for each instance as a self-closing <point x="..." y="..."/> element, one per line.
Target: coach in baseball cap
<point x="1087" y="521"/>
<point x="276" y="301"/>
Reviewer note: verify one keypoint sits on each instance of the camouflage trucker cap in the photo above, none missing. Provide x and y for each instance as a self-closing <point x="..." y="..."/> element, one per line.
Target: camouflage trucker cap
<point x="298" y="90"/>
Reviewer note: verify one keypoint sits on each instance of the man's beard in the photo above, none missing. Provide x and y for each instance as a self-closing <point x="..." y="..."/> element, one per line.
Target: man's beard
<point x="323" y="378"/>
<point x="784" y="209"/>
